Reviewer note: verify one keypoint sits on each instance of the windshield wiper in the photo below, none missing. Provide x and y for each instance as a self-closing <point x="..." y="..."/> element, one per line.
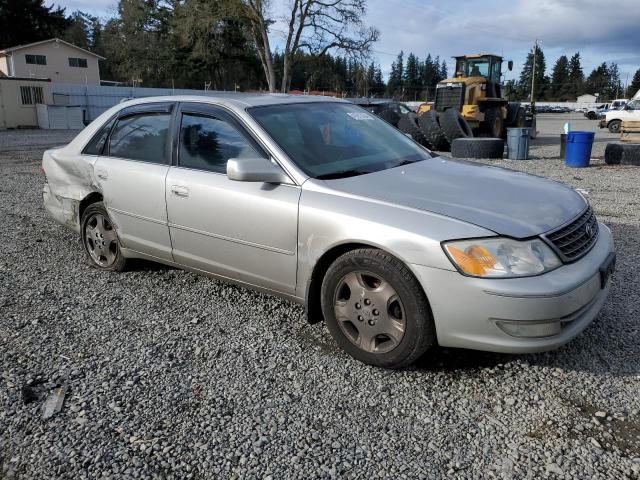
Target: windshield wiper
<point x="340" y="174"/>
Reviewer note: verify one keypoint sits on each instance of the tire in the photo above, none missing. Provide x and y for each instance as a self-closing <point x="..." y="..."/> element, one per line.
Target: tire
<point x="520" y="119"/>
<point x="378" y="278"/>
<point x="592" y="115"/>
<point x="477" y="148"/>
<point x="390" y="116"/>
<point x="430" y="126"/>
<point x="100" y="240"/>
<point x="622" y="154"/>
<point x="454" y="125"/>
<point x="614" y="126"/>
<point x="493" y="124"/>
<point x="409" y="124"/>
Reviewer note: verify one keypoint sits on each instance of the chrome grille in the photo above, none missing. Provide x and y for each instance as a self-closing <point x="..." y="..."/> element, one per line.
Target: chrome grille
<point x="574" y="240"/>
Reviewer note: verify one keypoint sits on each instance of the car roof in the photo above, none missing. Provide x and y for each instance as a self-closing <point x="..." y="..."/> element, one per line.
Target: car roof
<point x="237" y="100"/>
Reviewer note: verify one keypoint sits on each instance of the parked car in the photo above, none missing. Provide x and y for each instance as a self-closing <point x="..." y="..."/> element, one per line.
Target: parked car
<point x="321" y="202"/>
<point x="613" y="118"/>
<point x="592" y="113"/>
<point x="388" y="110"/>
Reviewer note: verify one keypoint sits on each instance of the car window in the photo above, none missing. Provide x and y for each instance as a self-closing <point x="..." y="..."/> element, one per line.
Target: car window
<point x="96" y="144"/>
<point x="329" y="140"/>
<point x="404" y="110"/>
<point x="141" y="137"/>
<point x="206" y="143"/>
<point x="633" y="105"/>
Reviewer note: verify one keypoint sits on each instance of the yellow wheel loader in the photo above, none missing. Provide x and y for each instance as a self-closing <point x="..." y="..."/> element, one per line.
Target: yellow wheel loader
<point x="476" y="92"/>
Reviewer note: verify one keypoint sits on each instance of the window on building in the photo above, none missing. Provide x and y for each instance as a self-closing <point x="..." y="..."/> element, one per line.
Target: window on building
<point x="31" y="95"/>
<point x="36" y="59"/>
<point x="78" y="62"/>
<point x="141" y="137"/>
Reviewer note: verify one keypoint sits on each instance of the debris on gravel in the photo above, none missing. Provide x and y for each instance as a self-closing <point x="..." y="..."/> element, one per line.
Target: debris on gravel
<point x="174" y="375"/>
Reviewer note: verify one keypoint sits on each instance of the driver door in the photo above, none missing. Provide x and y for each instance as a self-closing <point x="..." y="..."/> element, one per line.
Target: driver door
<point x="245" y="231"/>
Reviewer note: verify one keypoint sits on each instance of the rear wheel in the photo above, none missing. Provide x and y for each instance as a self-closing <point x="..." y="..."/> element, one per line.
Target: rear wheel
<point x="614" y="126"/>
<point x="376" y="310"/>
<point x="100" y="240"/>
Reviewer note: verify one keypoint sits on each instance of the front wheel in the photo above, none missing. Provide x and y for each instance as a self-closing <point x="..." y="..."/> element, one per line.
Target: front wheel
<point x="614" y="126"/>
<point x="100" y="240"/>
<point x="376" y="310"/>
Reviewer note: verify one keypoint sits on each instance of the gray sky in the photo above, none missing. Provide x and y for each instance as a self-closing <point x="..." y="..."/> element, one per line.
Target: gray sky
<point x="601" y="30"/>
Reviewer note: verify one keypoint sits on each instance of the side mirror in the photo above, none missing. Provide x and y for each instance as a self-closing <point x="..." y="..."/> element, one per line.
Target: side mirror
<point x="510" y="65"/>
<point x="255" y="170"/>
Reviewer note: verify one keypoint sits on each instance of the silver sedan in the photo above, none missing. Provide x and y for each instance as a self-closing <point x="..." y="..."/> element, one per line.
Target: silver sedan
<point x="321" y="202"/>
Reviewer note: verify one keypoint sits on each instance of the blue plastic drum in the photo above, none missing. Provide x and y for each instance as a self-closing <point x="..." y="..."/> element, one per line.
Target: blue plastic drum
<point x="579" y="145"/>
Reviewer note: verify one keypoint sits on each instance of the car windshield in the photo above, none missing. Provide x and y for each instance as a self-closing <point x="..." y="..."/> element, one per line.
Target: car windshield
<point x="334" y="140"/>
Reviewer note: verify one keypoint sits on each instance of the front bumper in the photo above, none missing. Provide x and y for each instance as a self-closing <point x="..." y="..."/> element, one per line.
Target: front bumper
<point x="467" y="311"/>
<point x="602" y="123"/>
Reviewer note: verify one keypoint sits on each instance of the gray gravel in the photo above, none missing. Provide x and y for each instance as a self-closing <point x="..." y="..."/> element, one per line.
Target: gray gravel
<point x="172" y="375"/>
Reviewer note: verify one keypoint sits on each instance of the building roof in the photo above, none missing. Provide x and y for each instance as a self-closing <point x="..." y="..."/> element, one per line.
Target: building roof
<point x="56" y="40"/>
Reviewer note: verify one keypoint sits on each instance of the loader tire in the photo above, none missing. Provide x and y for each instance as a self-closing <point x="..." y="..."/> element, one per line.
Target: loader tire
<point x="390" y="116"/>
<point x="477" y="148"/>
<point x="493" y="124"/>
<point x="409" y="124"/>
<point x="619" y="154"/>
<point x="430" y="126"/>
<point x="454" y="125"/>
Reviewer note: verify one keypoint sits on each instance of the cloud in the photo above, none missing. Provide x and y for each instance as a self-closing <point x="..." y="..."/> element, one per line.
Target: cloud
<point x="508" y="27"/>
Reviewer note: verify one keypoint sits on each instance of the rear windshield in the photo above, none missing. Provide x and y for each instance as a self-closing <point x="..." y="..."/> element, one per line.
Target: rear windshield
<point x="334" y="140"/>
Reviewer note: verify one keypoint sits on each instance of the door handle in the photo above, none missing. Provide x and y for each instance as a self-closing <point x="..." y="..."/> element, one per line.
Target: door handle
<point x="179" y="191"/>
<point x="102" y="174"/>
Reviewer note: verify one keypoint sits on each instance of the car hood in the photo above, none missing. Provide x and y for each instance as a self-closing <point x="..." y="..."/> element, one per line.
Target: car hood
<point x="507" y="202"/>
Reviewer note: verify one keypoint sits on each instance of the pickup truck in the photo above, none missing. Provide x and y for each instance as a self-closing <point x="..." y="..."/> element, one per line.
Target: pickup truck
<point x="613" y="118"/>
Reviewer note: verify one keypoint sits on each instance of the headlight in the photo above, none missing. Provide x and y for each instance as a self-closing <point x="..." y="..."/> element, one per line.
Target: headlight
<point x="501" y="257"/>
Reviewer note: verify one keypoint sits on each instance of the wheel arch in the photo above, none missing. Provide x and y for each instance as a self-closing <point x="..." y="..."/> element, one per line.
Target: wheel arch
<point x="313" y="306"/>
<point x="93" y="197"/>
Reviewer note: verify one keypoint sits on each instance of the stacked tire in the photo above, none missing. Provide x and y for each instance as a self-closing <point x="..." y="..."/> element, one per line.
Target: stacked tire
<point x="409" y="124"/>
<point x="430" y="125"/>
<point x="477" y="148"/>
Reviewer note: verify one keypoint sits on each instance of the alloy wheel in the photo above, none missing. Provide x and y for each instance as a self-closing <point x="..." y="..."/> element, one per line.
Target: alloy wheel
<point x="101" y="240"/>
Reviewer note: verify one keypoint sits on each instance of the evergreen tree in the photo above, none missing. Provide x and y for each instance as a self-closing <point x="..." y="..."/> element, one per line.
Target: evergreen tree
<point x="605" y="81"/>
<point x="28" y="21"/>
<point x="560" y="88"/>
<point x="634" y="86"/>
<point x="394" y="86"/>
<point x="576" y="75"/>
<point x="443" y="71"/>
<point x="541" y="80"/>
<point x="411" y="77"/>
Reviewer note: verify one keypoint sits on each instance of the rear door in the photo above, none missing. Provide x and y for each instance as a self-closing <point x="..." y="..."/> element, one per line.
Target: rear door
<point x="246" y="231"/>
<point x="132" y="172"/>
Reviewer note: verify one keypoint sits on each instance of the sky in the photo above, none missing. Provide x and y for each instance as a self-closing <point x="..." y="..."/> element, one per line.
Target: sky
<point x="601" y="30"/>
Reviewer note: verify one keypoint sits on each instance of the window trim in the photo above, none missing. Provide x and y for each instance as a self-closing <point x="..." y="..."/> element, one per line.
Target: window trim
<point x="161" y="107"/>
<point x="78" y="61"/>
<point x="112" y="119"/>
<point x="35" y="59"/>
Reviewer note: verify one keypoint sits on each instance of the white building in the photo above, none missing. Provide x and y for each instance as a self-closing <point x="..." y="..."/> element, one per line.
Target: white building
<point x="587" y="98"/>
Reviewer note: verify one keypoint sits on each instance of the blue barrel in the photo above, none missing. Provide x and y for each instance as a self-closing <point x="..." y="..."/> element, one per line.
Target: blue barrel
<point x="517" y="143"/>
<point x="579" y="146"/>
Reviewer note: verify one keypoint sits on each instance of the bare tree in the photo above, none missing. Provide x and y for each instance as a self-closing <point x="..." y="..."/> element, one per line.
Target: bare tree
<point x="314" y="25"/>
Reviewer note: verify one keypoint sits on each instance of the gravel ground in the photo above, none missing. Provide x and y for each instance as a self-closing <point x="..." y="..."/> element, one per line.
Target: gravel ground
<point x="172" y="375"/>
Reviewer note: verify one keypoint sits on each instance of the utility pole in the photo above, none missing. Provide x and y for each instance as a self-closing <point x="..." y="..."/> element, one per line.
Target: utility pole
<point x="533" y="70"/>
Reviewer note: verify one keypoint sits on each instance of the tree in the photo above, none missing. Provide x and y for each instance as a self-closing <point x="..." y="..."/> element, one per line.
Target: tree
<point x="604" y="80"/>
<point x="560" y="88"/>
<point x="411" y="77"/>
<point x="28" y="21"/>
<point x="396" y="76"/>
<point x="576" y="75"/>
<point x="315" y="26"/>
<point x="541" y="80"/>
<point x="634" y="86"/>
